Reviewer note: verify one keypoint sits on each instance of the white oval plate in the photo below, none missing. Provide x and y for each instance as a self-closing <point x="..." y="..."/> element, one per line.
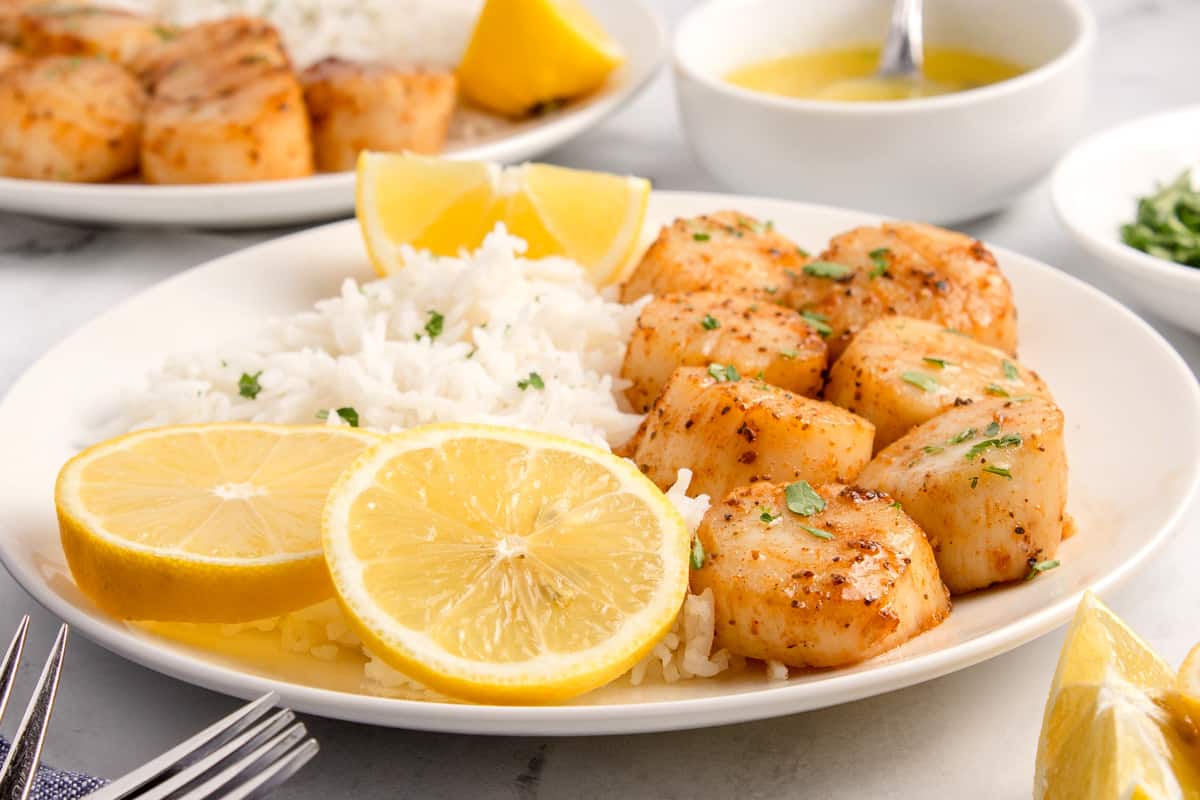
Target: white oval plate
<point x="1096" y="187"/>
<point x="1132" y="439"/>
<point x="632" y="23"/>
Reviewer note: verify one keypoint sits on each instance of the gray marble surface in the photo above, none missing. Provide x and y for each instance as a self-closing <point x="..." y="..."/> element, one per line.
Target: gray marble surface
<point x="972" y="733"/>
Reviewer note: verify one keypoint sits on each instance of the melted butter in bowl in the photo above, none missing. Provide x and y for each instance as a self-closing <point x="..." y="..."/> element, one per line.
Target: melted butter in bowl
<point x="848" y="74"/>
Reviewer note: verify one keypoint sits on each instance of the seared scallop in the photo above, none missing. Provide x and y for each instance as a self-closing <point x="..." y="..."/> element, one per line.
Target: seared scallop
<point x="695" y="329"/>
<point x="848" y="578"/>
<point x="899" y="372"/>
<point x="68" y="118"/>
<point x="191" y="52"/>
<point x="988" y="484"/>
<point x="731" y="432"/>
<point x="726" y="252"/>
<point x="370" y="106"/>
<point x="79" y="29"/>
<point x="911" y="269"/>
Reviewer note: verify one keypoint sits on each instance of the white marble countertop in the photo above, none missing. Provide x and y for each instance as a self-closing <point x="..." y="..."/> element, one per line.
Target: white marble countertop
<point x="972" y="733"/>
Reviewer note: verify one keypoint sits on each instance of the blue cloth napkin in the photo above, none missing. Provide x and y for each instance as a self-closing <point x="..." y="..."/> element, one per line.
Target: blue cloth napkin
<point x="53" y="784"/>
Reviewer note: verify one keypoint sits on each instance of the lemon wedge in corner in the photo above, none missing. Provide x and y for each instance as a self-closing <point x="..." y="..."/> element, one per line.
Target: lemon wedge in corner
<point x="524" y="54"/>
<point x="504" y="566"/>
<point x="446" y="206"/>
<point x="1115" y="724"/>
<point x="203" y="523"/>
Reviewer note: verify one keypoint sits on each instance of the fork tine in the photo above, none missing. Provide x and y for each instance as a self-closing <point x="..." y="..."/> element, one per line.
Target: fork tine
<point x="262" y="757"/>
<point x="251" y="737"/>
<point x="20" y="767"/>
<point x="262" y="783"/>
<point x="11" y="662"/>
<point x="188" y="751"/>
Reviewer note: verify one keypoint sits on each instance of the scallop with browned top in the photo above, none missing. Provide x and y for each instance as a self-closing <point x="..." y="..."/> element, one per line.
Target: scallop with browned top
<point x="726" y="251"/>
<point x="841" y="581"/>
<point x="231" y="40"/>
<point x="696" y="329"/>
<point x="912" y="269"/>
<point x="731" y="432"/>
<point x="80" y="29"/>
<point x="988" y="484"/>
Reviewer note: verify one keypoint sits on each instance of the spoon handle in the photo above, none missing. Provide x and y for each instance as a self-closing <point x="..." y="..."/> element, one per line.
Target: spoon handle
<point x="903" y="52"/>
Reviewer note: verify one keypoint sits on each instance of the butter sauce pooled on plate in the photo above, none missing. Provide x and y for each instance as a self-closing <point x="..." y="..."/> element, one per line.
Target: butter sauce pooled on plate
<point x="848" y="74"/>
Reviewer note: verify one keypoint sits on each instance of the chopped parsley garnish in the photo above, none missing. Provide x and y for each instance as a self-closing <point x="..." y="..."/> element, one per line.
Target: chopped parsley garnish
<point x="435" y="324"/>
<point x="710" y="323"/>
<point x="701" y="237"/>
<point x="1010" y="370"/>
<point x="1040" y="567"/>
<point x="770" y="289"/>
<point x="830" y="270"/>
<point x="1003" y="472"/>
<point x="999" y="391"/>
<point x="1167" y="224"/>
<point x="697" y="553"/>
<point x="800" y="251"/>
<point x="767" y="516"/>
<point x="534" y="381"/>
<point x="1007" y="440"/>
<point x="803" y="499"/>
<point x="896" y="505"/>
<point x="940" y="363"/>
<point x="248" y="385"/>
<point x="789" y="354"/>
<point x="926" y="383"/>
<point x="880" y="258"/>
<point x="769" y="224"/>
<point x="962" y="436"/>
<point x="164" y="33"/>
<point x="992" y="429"/>
<point x="974" y="481"/>
<point x="955" y="331"/>
<point x="347" y="413"/>
<point x="818" y="322"/>
<point x="724" y="373"/>
<point x="933" y="448"/>
<point x="817" y="532"/>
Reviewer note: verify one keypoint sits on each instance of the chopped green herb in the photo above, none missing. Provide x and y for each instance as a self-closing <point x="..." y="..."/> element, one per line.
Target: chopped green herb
<point x="974" y="481"/>
<point x="349" y="415"/>
<point x="1010" y="370"/>
<point x="1007" y="440"/>
<point x="789" y="354"/>
<point x="435" y="324"/>
<point x="724" y="372"/>
<point x="803" y="499"/>
<point x="769" y="224"/>
<point x="323" y="414"/>
<point x="800" y="251"/>
<point x="962" y="436"/>
<point x="896" y="505"/>
<point x="999" y="391"/>
<point x="753" y="306"/>
<point x="880" y="257"/>
<point x="767" y="516"/>
<point x="1003" y="472"/>
<point x="992" y="429"/>
<point x="533" y="381"/>
<point x="933" y="448"/>
<point x="955" y="331"/>
<point x="1042" y="566"/>
<point x="926" y="383"/>
<point x="770" y="289"/>
<point x="940" y="363"/>
<point x="248" y="385"/>
<point x="817" y="532"/>
<point x="224" y="363"/>
<point x="818" y="322"/>
<point x="697" y="553"/>
<point x="828" y="269"/>
<point x="710" y="323"/>
<point x="1167" y="224"/>
<point x="701" y="237"/>
<point x="1021" y="398"/>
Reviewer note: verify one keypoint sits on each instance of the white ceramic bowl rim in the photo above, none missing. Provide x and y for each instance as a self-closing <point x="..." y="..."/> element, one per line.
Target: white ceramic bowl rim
<point x="1085" y="36"/>
<point x="1113" y="244"/>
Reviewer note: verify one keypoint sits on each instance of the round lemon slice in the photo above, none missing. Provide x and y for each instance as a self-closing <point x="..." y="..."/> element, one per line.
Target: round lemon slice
<point x="203" y="523"/>
<point x="504" y="566"/>
<point x="447" y="206"/>
<point x="524" y="54"/>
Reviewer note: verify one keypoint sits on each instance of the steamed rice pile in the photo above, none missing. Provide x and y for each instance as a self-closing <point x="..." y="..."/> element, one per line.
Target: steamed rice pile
<point x="446" y="339"/>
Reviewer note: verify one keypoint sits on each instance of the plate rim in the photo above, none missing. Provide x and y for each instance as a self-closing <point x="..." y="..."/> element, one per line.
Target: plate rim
<point x="613" y="718"/>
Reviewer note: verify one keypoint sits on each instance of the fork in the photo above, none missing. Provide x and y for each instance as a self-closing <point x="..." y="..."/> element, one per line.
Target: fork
<point x="243" y="756"/>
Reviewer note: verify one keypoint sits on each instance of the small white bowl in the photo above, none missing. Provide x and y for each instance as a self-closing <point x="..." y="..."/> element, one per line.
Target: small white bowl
<point x="939" y="159"/>
<point x="1096" y="188"/>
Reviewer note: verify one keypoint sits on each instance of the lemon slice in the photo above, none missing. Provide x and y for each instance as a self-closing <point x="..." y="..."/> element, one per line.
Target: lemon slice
<point x="446" y="206"/>
<point x="1111" y="727"/>
<point x="525" y="54"/>
<point x="1189" y="672"/>
<point x="203" y="523"/>
<point x="504" y="566"/>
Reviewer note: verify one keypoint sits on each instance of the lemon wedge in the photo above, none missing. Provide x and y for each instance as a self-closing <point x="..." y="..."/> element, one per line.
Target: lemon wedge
<point x="203" y="523"/>
<point x="1189" y="672"/>
<point x="504" y="566"/>
<point x="446" y="206"/>
<point x="524" y="54"/>
<point x="1113" y="726"/>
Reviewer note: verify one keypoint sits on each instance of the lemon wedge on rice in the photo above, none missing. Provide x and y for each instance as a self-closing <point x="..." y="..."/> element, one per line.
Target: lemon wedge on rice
<point x="504" y="566"/>
<point x="446" y="206"/>
<point x="1116" y="723"/>
<point x="203" y="523"/>
<point x="524" y="54"/>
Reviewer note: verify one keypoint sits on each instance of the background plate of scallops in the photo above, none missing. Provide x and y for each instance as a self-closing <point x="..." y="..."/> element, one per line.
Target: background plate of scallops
<point x="942" y="493"/>
<point x="244" y="113"/>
